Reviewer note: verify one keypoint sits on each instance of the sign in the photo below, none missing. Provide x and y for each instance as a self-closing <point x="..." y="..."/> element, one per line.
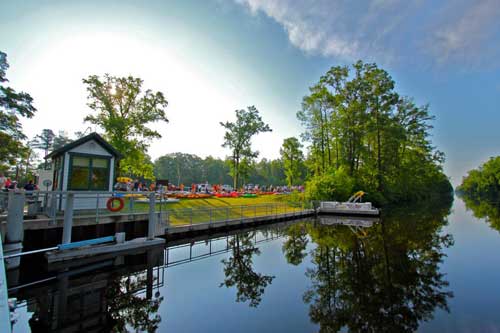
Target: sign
<point x="47" y="183"/>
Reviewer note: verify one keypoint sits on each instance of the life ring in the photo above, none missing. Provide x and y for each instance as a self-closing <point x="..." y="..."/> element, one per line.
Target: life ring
<point x="109" y="204"/>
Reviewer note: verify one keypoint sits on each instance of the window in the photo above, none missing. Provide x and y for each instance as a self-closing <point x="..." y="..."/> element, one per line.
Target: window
<point x="88" y="173"/>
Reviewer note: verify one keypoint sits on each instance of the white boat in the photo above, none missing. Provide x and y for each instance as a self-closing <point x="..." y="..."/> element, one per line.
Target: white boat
<point x="350" y="207"/>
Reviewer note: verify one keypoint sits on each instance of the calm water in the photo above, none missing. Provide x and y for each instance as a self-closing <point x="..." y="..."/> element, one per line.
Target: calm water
<point x="429" y="269"/>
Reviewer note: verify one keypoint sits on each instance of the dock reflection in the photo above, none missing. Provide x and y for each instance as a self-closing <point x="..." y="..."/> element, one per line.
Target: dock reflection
<point x="105" y="296"/>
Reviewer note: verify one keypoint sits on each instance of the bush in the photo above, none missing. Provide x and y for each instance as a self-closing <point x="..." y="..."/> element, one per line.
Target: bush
<point x="334" y="185"/>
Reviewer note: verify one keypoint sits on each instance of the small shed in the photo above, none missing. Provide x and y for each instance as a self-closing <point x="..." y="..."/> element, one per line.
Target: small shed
<point x="86" y="164"/>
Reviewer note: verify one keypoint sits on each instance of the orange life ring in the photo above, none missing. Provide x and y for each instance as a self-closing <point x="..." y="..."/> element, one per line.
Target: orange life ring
<point x="109" y="204"/>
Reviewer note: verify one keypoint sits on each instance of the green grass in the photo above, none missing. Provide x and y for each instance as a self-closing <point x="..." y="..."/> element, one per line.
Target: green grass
<point x="188" y="211"/>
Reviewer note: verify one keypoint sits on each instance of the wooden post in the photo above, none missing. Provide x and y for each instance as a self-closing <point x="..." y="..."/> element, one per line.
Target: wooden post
<point x="68" y="218"/>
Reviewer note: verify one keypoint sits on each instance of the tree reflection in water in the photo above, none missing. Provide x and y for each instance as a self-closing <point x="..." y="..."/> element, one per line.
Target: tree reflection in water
<point x="239" y="272"/>
<point x="129" y="310"/>
<point x="484" y="209"/>
<point x="295" y="244"/>
<point x="386" y="279"/>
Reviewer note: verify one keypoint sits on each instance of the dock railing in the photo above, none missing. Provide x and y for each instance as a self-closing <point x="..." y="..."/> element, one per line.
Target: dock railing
<point x="62" y="208"/>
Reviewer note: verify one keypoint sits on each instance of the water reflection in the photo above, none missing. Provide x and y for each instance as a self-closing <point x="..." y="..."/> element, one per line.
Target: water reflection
<point x="239" y="272"/>
<point x="365" y="275"/>
<point x="484" y="209"/>
<point x="374" y="278"/>
<point x="103" y="297"/>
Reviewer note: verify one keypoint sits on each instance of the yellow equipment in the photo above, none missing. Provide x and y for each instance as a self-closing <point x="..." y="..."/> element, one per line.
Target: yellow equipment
<point x="356" y="197"/>
<point x="123" y="179"/>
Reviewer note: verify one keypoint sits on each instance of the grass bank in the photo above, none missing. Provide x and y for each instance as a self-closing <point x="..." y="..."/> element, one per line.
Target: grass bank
<point x="188" y="211"/>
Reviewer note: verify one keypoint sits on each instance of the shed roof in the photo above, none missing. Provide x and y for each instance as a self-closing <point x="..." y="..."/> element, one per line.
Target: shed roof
<point x="92" y="136"/>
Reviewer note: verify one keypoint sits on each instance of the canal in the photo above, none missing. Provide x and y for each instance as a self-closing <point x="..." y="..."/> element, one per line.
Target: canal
<point x="428" y="268"/>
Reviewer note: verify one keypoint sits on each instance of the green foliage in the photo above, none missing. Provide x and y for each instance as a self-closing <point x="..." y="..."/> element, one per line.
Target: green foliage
<point x="355" y="120"/>
<point x="238" y="138"/>
<point x="484" y="182"/>
<point x="124" y="112"/>
<point x="480" y="190"/>
<point x="189" y="169"/>
<point x="13" y="106"/>
<point x="293" y="160"/>
<point x="44" y="141"/>
<point x="334" y="185"/>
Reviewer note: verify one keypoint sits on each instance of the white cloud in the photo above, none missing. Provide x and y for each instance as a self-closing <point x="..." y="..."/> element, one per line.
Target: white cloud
<point x="385" y="30"/>
<point x="468" y="33"/>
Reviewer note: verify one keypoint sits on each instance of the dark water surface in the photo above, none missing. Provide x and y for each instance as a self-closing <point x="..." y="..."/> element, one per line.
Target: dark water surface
<point x="424" y="268"/>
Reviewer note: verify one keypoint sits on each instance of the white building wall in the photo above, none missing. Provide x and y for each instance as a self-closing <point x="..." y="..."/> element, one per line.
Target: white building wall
<point x="91" y="147"/>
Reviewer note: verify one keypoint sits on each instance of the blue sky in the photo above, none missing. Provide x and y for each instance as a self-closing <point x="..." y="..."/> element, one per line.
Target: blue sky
<point x="212" y="57"/>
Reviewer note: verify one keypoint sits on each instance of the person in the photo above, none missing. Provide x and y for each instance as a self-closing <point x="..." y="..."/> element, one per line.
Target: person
<point x="30" y="186"/>
<point x="3" y="180"/>
<point x="12" y="185"/>
<point x="8" y="182"/>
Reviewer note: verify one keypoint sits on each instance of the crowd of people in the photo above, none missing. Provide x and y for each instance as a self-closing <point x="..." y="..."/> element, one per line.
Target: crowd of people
<point x="7" y="184"/>
<point x="129" y="185"/>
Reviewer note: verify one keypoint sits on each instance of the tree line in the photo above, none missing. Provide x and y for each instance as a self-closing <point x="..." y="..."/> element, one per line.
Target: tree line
<point x="359" y="134"/>
<point x="187" y="169"/>
<point x="480" y="190"/>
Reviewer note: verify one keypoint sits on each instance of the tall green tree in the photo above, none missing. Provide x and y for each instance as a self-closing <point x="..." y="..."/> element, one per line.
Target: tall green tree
<point x="124" y="111"/>
<point x="238" y="137"/>
<point x="45" y="142"/>
<point x="355" y="120"/>
<point x="13" y="106"/>
<point x="293" y="158"/>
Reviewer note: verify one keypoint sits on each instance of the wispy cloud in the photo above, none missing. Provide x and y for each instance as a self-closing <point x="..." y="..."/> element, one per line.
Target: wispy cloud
<point x="388" y="30"/>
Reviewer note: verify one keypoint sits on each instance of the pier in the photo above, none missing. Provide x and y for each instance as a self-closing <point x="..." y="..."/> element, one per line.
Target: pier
<point x="65" y="232"/>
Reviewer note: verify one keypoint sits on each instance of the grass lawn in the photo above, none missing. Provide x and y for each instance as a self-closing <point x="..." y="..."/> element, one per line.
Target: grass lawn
<point x="188" y="211"/>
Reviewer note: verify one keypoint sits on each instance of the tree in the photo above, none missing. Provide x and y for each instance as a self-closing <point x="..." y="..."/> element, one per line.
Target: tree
<point x="60" y="140"/>
<point x="44" y="141"/>
<point x="238" y="138"/>
<point x="124" y="112"/>
<point x="356" y="121"/>
<point x="13" y="106"/>
<point x="188" y="169"/>
<point x="292" y="157"/>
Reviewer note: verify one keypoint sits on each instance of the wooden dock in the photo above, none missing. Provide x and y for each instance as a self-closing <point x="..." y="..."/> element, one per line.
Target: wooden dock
<point x="236" y="223"/>
<point x="103" y="249"/>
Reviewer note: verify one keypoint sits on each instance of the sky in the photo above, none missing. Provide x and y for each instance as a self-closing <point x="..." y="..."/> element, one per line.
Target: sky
<point x="212" y="57"/>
